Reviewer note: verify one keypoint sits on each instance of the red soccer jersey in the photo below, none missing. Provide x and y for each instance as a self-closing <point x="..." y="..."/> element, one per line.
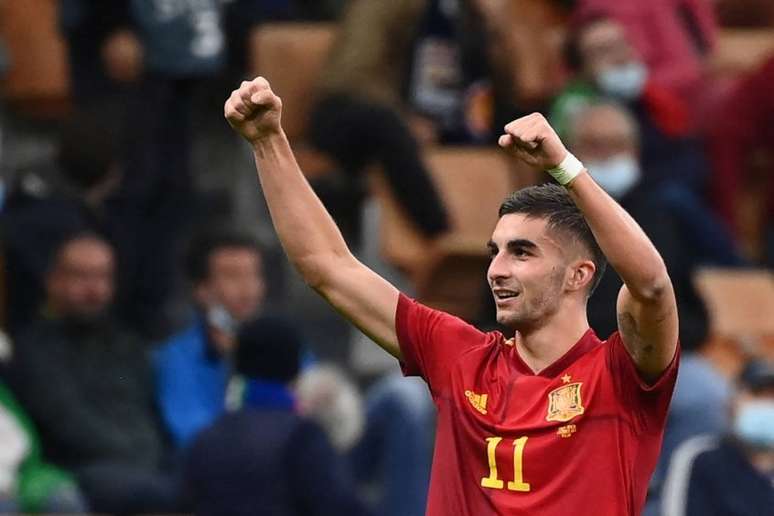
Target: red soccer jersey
<point x="581" y="437"/>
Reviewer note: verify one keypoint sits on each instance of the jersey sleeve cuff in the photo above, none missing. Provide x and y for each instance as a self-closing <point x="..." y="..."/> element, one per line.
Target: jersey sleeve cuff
<point x="409" y="363"/>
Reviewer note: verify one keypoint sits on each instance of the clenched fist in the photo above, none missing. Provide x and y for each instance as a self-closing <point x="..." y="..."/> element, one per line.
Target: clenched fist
<point x="534" y="141"/>
<point x="254" y="110"/>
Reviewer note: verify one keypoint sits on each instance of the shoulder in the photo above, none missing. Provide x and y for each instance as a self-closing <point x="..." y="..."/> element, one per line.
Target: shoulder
<point x="182" y="343"/>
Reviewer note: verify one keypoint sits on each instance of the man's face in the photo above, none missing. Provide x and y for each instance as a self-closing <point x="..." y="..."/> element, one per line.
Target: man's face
<point x="81" y="284"/>
<point x="603" y="45"/>
<point x="235" y="282"/>
<point x="602" y="133"/>
<point x="527" y="271"/>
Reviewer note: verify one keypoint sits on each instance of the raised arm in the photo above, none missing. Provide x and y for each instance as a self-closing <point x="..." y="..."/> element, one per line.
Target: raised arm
<point x="647" y="311"/>
<point x="309" y="236"/>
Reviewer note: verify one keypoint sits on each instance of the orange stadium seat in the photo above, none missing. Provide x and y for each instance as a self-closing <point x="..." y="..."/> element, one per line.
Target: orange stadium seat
<point x="38" y="78"/>
<point x="290" y="56"/>
<point x="741" y="50"/>
<point x="447" y="273"/>
<point x="741" y="308"/>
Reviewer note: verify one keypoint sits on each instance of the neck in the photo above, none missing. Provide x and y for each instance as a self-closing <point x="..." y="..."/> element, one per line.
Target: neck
<point x="541" y="345"/>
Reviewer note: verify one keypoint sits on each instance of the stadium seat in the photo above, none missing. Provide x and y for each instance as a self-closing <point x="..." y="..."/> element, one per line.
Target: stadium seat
<point x="741" y="50"/>
<point x="741" y="309"/>
<point x="37" y="80"/>
<point x="447" y="273"/>
<point x="290" y="56"/>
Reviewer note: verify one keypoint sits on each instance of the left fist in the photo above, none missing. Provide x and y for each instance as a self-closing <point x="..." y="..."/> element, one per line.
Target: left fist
<point x="532" y="139"/>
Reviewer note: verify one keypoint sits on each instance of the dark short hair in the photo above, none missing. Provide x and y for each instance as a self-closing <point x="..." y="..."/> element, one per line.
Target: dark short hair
<point x="552" y="202"/>
<point x="88" y="146"/>
<point x="269" y="348"/>
<point x="210" y="241"/>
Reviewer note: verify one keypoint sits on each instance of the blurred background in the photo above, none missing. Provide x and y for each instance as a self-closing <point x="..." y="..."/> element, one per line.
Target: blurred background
<point x="158" y="354"/>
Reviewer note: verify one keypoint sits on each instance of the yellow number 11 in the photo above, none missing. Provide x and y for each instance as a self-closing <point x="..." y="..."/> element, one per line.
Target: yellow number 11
<point x="492" y="482"/>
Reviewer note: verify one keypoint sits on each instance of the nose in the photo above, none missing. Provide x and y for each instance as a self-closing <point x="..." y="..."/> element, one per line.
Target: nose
<point x="498" y="269"/>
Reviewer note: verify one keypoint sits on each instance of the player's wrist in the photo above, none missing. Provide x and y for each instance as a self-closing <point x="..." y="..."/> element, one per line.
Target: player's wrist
<point x="266" y="139"/>
<point x="567" y="170"/>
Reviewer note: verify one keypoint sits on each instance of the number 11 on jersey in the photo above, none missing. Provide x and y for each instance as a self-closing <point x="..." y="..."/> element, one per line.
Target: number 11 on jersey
<point x="492" y="481"/>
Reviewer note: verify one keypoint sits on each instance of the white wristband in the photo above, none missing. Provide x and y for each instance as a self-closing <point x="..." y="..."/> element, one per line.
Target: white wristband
<point x="567" y="170"/>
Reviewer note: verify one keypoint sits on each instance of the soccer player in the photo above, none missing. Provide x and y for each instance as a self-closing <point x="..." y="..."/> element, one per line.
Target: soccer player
<point x="549" y="420"/>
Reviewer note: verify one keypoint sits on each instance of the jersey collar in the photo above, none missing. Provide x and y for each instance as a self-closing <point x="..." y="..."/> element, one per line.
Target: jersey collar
<point x="586" y="343"/>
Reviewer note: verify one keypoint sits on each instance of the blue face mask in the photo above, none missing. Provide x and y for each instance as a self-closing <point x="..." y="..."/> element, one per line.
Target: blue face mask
<point x="754" y="423"/>
<point x="624" y="82"/>
<point x="616" y="175"/>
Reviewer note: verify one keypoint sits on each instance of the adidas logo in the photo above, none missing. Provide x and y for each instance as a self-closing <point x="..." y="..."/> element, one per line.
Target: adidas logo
<point x="477" y="400"/>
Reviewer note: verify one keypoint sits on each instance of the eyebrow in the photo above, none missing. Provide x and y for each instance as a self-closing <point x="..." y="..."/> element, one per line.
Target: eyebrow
<point x="512" y="245"/>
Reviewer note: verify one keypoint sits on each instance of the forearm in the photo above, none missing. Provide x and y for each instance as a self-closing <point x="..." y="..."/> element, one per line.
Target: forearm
<point x="307" y="232"/>
<point x="628" y="250"/>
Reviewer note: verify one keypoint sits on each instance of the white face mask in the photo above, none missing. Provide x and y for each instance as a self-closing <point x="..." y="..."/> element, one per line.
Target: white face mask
<point x="625" y="82"/>
<point x="754" y="423"/>
<point x="616" y="175"/>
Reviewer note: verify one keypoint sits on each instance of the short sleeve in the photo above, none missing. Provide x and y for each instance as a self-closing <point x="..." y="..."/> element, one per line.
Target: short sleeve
<point x="647" y="403"/>
<point x="432" y="342"/>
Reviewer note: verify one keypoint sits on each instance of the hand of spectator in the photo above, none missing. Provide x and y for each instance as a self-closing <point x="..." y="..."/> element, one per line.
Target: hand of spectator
<point x="534" y="141"/>
<point x="254" y="110"/>
<point x="122" y="56"/>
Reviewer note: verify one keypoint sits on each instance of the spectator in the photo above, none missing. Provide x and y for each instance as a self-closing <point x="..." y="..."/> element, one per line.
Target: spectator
<point x="605" y="65"/>
<point x="27" y="482"/>
<point x="87" y="196"/>
<point x="225" y="270"/>
<point x="87" y="385"/>
<point x="740" y="138"/>
<point x="605" y="137"/>
<point x="400" y="73"/>
<point x="674" y="37"/>
<point x="275" y="462"/>
<point x="730" y="475"/>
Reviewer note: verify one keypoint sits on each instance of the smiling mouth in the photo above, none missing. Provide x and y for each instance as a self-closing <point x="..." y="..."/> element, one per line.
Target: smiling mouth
<point x="502" y="295"/>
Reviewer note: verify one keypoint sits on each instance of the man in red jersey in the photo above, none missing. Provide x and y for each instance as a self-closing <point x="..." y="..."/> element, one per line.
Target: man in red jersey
<point x="551" y="421"/>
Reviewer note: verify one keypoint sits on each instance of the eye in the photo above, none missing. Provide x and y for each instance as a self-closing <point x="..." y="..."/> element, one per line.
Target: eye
<point x="520" y="253"/>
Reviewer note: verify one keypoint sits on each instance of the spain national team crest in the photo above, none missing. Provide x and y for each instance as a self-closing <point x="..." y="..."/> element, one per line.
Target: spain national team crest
<point x="564" y="403"/>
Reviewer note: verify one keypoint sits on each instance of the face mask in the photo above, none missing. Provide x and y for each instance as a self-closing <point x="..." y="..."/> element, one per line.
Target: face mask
<point x="616" y="175"/>
<point x="754" y="423"/>
<point x="624" y="82"/>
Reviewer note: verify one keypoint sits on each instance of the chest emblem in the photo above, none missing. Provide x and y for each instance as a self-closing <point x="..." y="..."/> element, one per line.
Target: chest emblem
<point x="477" y="400"/>
<point x="564" y="403"/>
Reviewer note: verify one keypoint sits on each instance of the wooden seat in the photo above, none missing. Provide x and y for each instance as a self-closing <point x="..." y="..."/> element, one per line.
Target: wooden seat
<point x="739" y="51"/>
<point x="291" y="56"/>
<point x="38" y="79"/>
<point x="741" y="309"/>
<point x="449" y="273"/>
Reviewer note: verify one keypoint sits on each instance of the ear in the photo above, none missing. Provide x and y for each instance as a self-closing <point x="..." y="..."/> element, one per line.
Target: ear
<point x="581" y="275"/>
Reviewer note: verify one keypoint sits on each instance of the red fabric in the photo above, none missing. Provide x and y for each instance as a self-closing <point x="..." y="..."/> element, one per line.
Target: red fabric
<point x="667" y="110"/>
<point x="658" y="32"/>
<point x="743" y="124"/>
<point x="601" y="467"/>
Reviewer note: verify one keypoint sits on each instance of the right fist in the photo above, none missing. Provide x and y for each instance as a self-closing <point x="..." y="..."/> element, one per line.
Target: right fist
<point x="254" y="110"/>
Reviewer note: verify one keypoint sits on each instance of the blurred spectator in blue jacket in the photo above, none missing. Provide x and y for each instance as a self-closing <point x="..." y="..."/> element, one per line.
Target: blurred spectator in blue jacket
<point x="87" y="384"/>
<point x="225" y="269"/>
<point x="263" y="458"/>
<point x="730" y="474"/>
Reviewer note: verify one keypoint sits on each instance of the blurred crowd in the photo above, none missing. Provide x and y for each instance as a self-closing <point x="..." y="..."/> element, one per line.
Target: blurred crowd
<point x="159" y="356"/>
